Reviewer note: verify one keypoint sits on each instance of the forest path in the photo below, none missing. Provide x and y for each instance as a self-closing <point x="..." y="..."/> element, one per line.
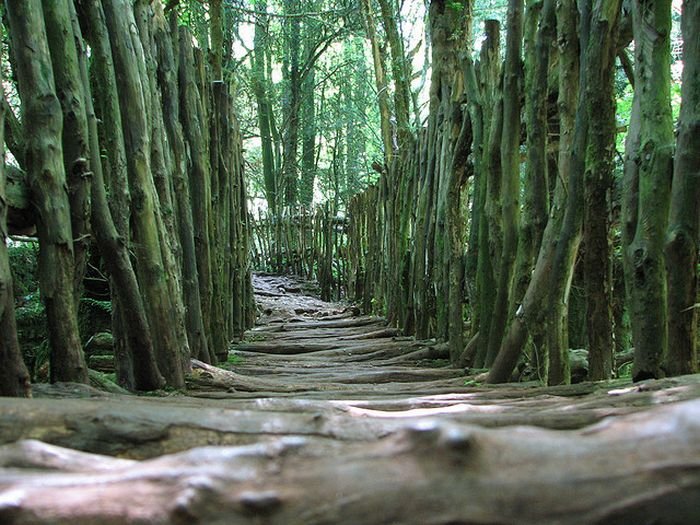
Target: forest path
<point x="328" y="417"/>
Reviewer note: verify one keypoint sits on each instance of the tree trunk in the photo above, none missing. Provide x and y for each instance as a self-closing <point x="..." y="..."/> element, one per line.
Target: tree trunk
<point x="216" y="23"/>
<point x="646" y="276"/>
<point x="682" y="236"/>
<point x="75" y="147"/>
<point x="14" y="377"/>
<point x="290" y="102"/>
<point x="401" y="73"/>
<point x="554" y="269"/>
<point x="556" y="343"/>
<point x="535" y="208"/>
<point x="44" y="156"/>
<point x="167" y="76"/>
<point x="380" y="81"/>
<point x="265" y="115"/>
<point x="191" y="115"/>
<point x="147" y="231"/>
<point x="115" y="253"/>
<point x="596" y="223"/>
<point x="510" y="166"/>
<point x="114" y="167"/>
<point x="633" y="469"/>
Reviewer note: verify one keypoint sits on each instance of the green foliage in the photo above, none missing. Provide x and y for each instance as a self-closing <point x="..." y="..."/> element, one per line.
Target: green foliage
<point x="95" y="304"/>
<point x="233" y="359"/>
<point x="455" y="5"/>
<point x="24" y="266"/>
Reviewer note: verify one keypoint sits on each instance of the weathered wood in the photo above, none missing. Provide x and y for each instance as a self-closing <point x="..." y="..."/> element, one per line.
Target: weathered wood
<point x="631" y="469"/>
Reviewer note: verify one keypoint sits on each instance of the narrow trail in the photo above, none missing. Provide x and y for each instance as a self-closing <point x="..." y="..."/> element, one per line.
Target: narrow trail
<point x="325" y="416"/>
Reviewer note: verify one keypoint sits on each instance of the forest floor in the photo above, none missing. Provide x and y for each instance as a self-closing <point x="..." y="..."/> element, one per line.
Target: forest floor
<point x="325" y="416"/>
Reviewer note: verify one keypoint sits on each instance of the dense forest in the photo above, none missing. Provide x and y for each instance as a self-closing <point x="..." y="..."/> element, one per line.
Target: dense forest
<point x="349" y="261"/>
<point x="513" y="178"/>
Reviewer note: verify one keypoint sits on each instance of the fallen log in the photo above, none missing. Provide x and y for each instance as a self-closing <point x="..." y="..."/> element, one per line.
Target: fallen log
<point x="642" y="468"/>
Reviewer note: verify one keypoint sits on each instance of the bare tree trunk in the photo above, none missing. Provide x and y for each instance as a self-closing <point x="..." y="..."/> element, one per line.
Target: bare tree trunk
<point x="44" y="155"/>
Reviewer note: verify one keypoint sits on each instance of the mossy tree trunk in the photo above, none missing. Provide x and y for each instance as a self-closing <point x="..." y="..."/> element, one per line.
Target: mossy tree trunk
<point x="115" y="253"/>
<point x="684" y="219"/>
<point x="167" y="79"/>
<point x="554" y="269"/>
<point x="134" y="106"/>
<point x="646" y="276"/>
<point x="104" y="83"/>
<point x="541" y="30"/>
<point x="596" y="223"/>
<point x="14" y="377"/>
<point x="47" y="178"/>
<point x="510" y="166"/>
<point x="75" y="147"/>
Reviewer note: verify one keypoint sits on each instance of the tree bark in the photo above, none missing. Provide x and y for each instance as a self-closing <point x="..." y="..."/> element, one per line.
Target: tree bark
<point x="535" y="209"/>
<point x="684" y="219"/>
<point x="114" y="166"/>
<point x="380" y="81"/>
<point x="647" y="276"/>
<point x="115" y="253"/>
<point x="597" y="209"/>
<point x="642" y="467"/>
<point x="191" y="115"/>
<point x="62" y="42"/>
<point x="554" y="269"/>
<point x="510" y="166"/>
<point x="128" y="59"/>
<point x="44" y="156"/>
<point x="167" y="77"/>
<point x="14" y="377"/>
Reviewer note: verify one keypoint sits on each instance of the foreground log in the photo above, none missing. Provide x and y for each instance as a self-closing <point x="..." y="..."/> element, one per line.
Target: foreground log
<point x="640" y="468"/>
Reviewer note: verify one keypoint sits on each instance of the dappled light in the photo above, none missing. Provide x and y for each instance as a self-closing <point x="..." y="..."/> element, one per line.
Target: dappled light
<point x="341" y="262"/>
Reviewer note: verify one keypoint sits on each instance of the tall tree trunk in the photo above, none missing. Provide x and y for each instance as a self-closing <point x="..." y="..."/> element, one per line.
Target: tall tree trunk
<point x="191" y="115"/>
<point x="400" y="70"/>
<point x="167" y="75"/>
<point x="684" y="220"/>
<point x="510" y="165"/>
<point x="14" y="377"/>
<point x="554" y="268"/>
<point x="260" y="88"/>
<point x="536" y="187"/>
<point x="596" y="224"/>
<point x="556" y="343"/>
<point x="290" y="102"/>
<point x="44" y="156"/>
<point x="646" y="275"/>
<point x="216" y="23"/>
<point x="134" y="106"/>
<point x="115" y="253"/>
<point x="114" y="167"/>
<point x="380" y="81"/>
<point x="75" y="147"/>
